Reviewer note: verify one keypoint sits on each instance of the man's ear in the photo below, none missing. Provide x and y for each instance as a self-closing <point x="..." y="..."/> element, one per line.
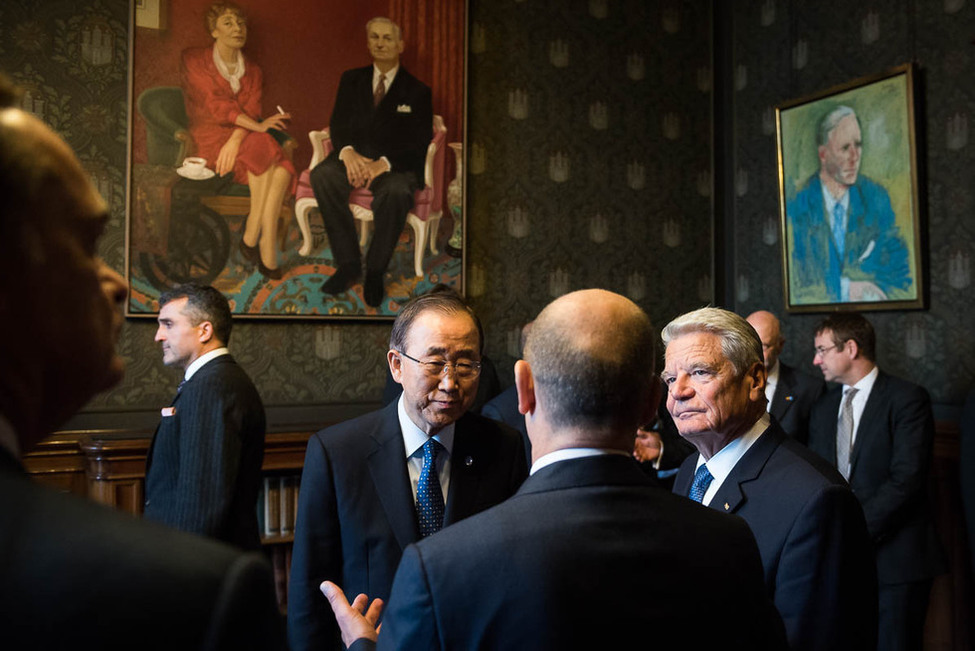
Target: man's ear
<point x="851" y="348"/>
<point x="656" y="392"/>
<point x="206" y="332"/>
<point x="395" y="365"/>
<point x="758" y="376"/>
<point x="526" y="387"/>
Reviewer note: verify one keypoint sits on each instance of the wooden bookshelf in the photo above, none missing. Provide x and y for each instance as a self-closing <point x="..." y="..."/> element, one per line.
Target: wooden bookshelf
<point x="109" y="466"/>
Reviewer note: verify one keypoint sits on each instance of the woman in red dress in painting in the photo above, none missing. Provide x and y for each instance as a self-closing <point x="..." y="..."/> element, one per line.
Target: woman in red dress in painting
<point x="223" y="103"/>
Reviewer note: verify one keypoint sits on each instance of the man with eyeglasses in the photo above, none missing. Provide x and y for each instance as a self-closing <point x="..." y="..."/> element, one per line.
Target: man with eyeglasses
<point x="790" y="393"/>
<point x="375" y="484"/>
<point x="878" y="430"/>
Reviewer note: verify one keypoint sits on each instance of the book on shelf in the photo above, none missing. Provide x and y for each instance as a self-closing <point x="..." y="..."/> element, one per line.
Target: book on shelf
<point x="277" y="505"/>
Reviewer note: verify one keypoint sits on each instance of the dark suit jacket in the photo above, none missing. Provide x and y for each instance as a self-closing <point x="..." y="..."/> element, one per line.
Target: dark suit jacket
<point x="813" y="540"/>
<point x="203" y="471"/>
<point x="890" y="462"/>
<point x="794" y="397"/>
<point x="356" y="513"/>
<point x="587" y="555"/>
<point x="76" y="575"/>
<point x="399" y="128"/>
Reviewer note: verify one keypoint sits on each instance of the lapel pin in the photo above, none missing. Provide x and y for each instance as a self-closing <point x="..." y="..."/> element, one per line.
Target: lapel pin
<point x="468" y="461"/>
<point x="726" y="506"/>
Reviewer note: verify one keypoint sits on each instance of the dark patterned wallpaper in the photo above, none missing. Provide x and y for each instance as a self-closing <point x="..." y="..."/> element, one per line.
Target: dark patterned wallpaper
<point x="590" y="157"/>
<point x="785" y="50"/>
<point x="589" y="124"/>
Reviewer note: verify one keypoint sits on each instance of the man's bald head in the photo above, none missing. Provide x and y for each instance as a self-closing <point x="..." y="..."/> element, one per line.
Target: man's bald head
<point x="769" y="331"/>
<point x="591" y="355"/>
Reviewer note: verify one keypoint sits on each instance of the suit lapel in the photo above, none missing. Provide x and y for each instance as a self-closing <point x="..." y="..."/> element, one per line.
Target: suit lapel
<point x="871" y="417"/>
<point x="387" y="466"/>
<point x="783" y="397"/>
<point x="393" y="98"/>
<point x="730" y="496"/>
<point x="463" y="482"/>
<point x="155" y="436"/>
<point x="682" y="484"/>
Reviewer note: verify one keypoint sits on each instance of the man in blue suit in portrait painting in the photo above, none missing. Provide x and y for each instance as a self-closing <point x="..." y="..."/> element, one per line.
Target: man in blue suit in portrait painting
<point x="846" y="246"/>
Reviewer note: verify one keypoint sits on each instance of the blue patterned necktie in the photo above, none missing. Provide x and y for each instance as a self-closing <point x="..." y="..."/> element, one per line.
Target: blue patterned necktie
<point x="839" y="228"/>
<point x="702" y="479"/>
<point x="429" y="496"/>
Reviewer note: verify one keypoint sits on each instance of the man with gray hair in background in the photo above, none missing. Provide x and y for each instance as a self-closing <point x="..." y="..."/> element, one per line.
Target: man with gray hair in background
<point x="589" y="553"/>
<point x="809" y="526"/>
<point x="846" y="245"/>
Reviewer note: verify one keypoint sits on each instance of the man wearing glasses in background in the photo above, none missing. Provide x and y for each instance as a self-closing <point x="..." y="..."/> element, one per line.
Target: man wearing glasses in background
<point x="375" y="484"/>
<point x="878" y="430"/>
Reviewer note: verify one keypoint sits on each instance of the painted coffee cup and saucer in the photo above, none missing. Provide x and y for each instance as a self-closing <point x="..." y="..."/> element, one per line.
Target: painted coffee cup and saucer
<point x="195" y="168"/>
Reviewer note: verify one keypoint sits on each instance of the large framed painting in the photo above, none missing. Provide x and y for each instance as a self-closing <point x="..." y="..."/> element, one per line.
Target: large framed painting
<point x="306" y="163"/>
<point x="849" y="197"/>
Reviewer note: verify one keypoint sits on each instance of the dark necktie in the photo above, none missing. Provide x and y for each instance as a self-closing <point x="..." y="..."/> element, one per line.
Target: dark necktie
<point x="380" y="91"/>
<point x="429" y="496"/>
<point x="844" y="434"/>
<point x="702" y="479"/>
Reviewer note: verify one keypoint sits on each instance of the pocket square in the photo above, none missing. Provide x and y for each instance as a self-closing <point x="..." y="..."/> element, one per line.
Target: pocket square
<point x="168" y="411"/>
<point x="404" y="108"/>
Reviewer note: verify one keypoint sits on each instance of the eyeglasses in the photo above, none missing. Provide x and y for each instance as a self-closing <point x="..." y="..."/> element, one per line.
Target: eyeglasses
<point x="460" y="370"/>
<point x="822" y="350"/>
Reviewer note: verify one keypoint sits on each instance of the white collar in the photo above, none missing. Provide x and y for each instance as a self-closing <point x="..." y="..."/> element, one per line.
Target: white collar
<point x="414" y="437"/>
<point x="198" y="363"/>
<point x="389" y="76"/>
<point x="233" y="79"/>
<point x="830" y="201"/>
<point x="722" y="463"/>
<point x="571" y="453"/>
<point x="865" y="385"/>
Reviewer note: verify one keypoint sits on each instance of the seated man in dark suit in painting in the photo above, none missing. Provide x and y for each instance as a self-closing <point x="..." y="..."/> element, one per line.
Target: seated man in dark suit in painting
<point x="381" y="126"/>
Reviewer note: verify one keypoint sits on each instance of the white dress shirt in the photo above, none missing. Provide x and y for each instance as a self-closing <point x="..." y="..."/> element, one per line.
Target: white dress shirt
<point x="413" y="440"/>
<point x="571" y="453"/>
<point x="863" y="387"/>
<point x="200" y="361"/>
<point x="722" y="463"/>
<point x="770" y="384"/>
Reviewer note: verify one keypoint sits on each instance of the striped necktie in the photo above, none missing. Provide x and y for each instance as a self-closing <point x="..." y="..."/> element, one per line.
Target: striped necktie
<point x="380" y="91"/>
<point x="844" y="434"/>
